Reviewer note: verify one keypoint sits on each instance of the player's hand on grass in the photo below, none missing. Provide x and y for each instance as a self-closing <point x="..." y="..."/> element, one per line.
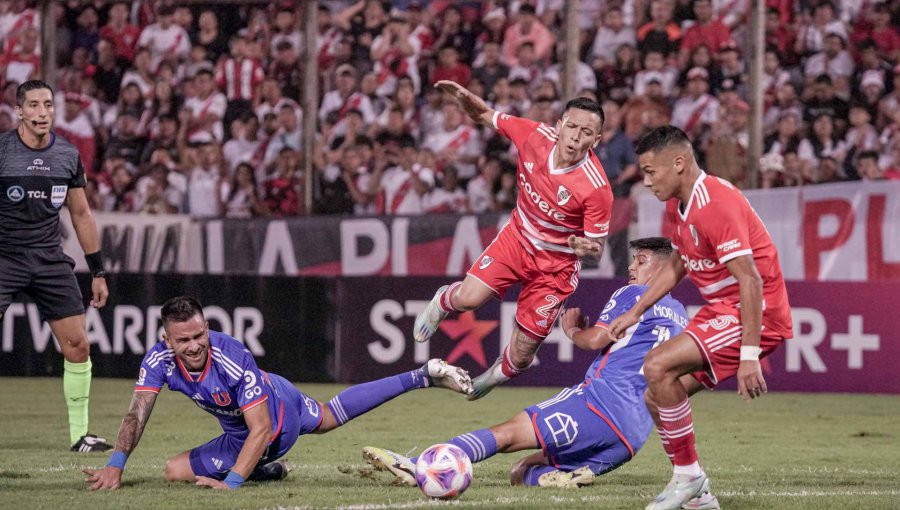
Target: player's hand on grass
<point x="621" y="324"/>
<point x="106" y="478"/>
<point x="584" y="247"/>
<point x="751" y="383"/>
<point x="212" y="483"/>
<point x="99" y="292"/>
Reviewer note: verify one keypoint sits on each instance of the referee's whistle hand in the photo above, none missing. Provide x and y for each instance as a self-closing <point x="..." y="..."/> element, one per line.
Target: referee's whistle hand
<point x="99" y="292"/>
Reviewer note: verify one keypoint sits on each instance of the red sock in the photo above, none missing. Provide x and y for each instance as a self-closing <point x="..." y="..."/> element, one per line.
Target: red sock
<point x="679" y="428"/>
<point x="446" y="299"/>
<point x="667" y="446"/>
<point x="506" y="365"/>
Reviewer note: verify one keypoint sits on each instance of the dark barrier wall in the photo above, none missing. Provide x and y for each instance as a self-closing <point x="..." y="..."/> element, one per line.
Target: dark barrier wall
<point x="843" y="342"/>
<point x="283" y="321"/>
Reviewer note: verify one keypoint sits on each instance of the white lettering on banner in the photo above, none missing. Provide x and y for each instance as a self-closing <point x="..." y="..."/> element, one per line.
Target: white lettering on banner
<point x="352" y="262"/>
<point x="466" y="246"/>
<point x="399" y="246"/>
<point x="215" y="247"/>
<point x="278" y="247"/>
<point x="803" y="346"/>
<point x="855" y="341"/>
<point x="378" y="320"/>
<point x="129" y="322"/>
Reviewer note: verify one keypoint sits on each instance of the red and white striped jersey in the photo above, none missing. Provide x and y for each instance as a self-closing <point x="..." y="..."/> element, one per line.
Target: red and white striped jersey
<point x="717" y="225"/>
<point x="554" y="203"/>
<point x="240" y="78"/>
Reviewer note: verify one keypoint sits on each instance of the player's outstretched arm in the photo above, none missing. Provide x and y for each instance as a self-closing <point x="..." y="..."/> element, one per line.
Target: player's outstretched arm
<point x="474" y="106"/>
<point x="751" y="383"/>
<point x="110" y="477"/>
<point x="260" y="424"/>
<point x="86" y="231"/>
<point x="577" y="328"/>
<point x="663" y="281"/>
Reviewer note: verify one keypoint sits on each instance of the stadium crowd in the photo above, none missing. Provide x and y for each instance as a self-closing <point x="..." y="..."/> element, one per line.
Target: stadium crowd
<point x="197" y="109"/>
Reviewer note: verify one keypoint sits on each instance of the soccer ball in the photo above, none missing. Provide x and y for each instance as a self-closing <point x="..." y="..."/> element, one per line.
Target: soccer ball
<point x="443" y="471"/>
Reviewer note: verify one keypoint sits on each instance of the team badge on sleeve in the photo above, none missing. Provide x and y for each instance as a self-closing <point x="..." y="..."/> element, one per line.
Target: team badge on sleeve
<point x="58" y="195"/>
<point x="485" y="262"/>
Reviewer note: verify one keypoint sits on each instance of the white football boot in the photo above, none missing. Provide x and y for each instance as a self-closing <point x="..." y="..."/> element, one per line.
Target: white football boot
<point x="680" y="490"/>
<point x="567" y="479"/>
<point x="385" y="460"/>
<point x="428" y="319"/>
<point x="705" y="501"/>
<point x="445" y="375"/>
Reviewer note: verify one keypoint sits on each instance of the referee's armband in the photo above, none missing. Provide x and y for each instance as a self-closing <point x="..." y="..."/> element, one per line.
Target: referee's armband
<point x="95" y="264"/>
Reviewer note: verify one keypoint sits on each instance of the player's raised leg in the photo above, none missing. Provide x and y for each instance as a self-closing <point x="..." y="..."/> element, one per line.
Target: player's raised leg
<point x="74" y="345"/>
<point x="663" y="368"/>
<point x="461" y="296"/>
<point x="362" y="398"/>
<point x="515" y="359"/>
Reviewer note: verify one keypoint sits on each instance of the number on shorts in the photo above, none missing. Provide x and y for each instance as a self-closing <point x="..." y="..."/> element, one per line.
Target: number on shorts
<point x="547" y="310"/>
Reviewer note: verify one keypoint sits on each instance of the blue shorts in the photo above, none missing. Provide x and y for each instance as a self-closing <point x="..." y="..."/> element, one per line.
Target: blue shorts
<point x="573" y="433"/>
<point x="298" y="414"/>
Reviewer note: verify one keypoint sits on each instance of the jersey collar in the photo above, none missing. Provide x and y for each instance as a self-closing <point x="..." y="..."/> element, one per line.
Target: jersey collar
<point x="187" y="375"/>
<point x="561" y="171"/>
<point x="687" y="208"/>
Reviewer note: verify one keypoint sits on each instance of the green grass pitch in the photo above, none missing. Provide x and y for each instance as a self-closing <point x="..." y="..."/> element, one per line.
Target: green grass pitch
<point x="783" y="451"/>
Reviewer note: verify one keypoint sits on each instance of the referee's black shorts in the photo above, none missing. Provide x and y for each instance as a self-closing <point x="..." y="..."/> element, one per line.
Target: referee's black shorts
<point x="44" y="274"/>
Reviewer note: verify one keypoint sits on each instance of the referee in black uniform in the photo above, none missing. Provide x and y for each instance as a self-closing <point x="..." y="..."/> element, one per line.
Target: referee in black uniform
<point x="39" y="172"/>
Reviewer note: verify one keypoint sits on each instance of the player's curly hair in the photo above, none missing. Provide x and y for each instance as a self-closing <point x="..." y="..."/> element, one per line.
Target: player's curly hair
<point x="660" y="246"/>
<point x="660" y="138"/>
<point x="180" y="309"/>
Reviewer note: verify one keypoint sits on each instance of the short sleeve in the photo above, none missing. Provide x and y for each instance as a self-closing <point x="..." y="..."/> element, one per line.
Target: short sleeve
<point x="515" y="128"/>
<point x="620" y="302"/>
<point x="597" y="212"/>
<point x="727" y="231"/>
<point x="78" y="180"/>
<point x="249" y="388"/>
<point x="152" y="374"/>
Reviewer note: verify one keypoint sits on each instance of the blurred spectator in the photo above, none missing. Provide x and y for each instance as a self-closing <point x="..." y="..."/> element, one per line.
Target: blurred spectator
<point x="455" y="31"/>
<point x="611" y="34"/>
<point x="697" y="110"/>
<point x="363" y="21"/>
<point x="585" y="79"/>
<point x="346" y="97"/>
<point x="287" y="70"/>
<point x="400" y="189"/>
<point x="889" y="105"/>
<point x="617" y="78"/>
<point x="812" y="32"/>
<point x="616" y="151"/>
<point x="655" y="69"/>
<point x="122" y="35"/>
<point x="345" y="186"/>
<point x="164" y="137"/>
<point x="448" y="197"/>
<point x="165" y="39"/>
<point x="206" y="110"/>
<point x="450" y="68"/>
<point x="834" y="61"/>
<point x="108" y="73"/>
<point x="526" y="66"/>
<point x="240" y="196"/>
<point x="117" y="194"/>
<point x="491" y="67"/>
<point x="155" y="194"/>
<point x="820" y="144"/>
<point x="141" y="74"/>
<point x="283" y="193"/>
<point x="455" y="142"/>
<point x="244" y="142"/>
<point x="867" y="166"/>
<point x="821" y="100"/>
<point x="205" y="177"/>
<point x="126" y="141"/>
<point x="395" y="52"/>
<point x="661" y="33"/>
<point x="644" y="113"/>
<point x="210" y="36"/>
<point x="87" y="34"/>
<point x="24" y="63"/>
<point x="239" y="76"/>
<point x="481" y="190"/>
<point x="708" y="30"/>
<point x="527" y="28"/>
<point x="75" y="126"/>
<point x="507" y="196"/>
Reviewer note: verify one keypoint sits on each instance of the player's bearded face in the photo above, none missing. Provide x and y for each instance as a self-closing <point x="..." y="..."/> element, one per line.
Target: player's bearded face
<point x="189" y="340"/>
<point x="36" y="112"/>
<point x="578" y="132"/>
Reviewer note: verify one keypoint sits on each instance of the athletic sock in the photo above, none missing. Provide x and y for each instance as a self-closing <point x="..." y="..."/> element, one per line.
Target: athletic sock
<point x="679" y="428"/>
<point x="445" y="300"/>
<point x="667" y="446"/>
<point x="533" y="473"/>
<point x="506" y="365"/>
<point x="77" y="390"/>
<point x="362" y="398"/>
<point x="478" y="445"/>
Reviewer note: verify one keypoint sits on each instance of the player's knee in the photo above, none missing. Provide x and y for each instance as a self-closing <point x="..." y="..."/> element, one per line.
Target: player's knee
<point x="78" y="351"/>
<point x="174" y="471"/>
<point x="467" y="298"/>
<point x="655" y="368"/>
<point x="649" y="401"/>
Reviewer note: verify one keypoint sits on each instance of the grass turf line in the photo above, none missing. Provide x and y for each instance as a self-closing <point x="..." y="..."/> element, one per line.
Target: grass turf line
<point x="782" y="451"/>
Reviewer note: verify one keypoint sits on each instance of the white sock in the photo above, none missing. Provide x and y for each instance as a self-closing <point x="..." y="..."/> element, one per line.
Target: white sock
<point x="691" y="469"/>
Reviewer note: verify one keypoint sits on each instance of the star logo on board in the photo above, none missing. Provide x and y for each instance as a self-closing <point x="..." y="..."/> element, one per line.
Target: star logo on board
<point x="469" y="334"/>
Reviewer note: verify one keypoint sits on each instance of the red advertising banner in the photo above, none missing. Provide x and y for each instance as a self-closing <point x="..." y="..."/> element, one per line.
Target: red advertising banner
<point x="843" y="340"/>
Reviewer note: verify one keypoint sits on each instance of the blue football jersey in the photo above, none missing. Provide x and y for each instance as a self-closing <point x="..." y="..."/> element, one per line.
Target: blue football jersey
<point x="230" y="384"/>
<point x="615" y="381"/>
